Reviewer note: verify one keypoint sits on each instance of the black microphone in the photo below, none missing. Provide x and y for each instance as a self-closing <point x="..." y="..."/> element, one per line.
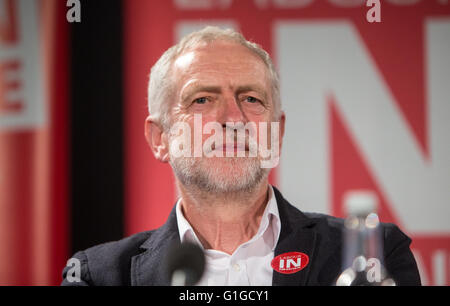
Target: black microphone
<point x="185" y="263"/>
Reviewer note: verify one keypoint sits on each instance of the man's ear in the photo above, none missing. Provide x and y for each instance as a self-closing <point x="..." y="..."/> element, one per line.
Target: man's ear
<point x="157" y="139"/>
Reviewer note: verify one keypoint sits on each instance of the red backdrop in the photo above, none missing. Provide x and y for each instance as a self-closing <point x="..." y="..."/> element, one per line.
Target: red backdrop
<point x="400" y="53"/>
<point x="33" y="142"/>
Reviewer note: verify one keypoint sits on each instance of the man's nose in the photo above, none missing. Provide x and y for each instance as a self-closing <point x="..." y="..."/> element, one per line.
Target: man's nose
<point x="231" y="111"/>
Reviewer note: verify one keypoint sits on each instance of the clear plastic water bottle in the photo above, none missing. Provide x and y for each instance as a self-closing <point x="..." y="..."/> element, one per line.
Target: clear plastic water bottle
<point x="362" y="258"/>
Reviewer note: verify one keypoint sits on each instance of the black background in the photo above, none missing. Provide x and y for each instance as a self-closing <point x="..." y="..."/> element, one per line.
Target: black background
<point x="96" y="127"/>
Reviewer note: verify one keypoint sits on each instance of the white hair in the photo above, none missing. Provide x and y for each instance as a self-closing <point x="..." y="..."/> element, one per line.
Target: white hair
<point x="160" y="85"/>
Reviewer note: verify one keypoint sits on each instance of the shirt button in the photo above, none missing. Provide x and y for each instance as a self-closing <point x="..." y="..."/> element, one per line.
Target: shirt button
<point x="236" y="267"/>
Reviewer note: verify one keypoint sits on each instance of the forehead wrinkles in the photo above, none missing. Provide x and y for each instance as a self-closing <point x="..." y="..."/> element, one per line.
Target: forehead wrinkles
<point x="221" y="66"/>
<point x="228" y="54"/>
<point x="211" y="65"/>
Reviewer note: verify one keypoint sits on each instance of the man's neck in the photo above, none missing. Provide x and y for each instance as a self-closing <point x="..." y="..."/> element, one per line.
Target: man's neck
<point x="224" y="221"/>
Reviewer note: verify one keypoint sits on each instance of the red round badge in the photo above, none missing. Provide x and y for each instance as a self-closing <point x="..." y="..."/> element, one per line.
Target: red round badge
<point x="288" y="263"/>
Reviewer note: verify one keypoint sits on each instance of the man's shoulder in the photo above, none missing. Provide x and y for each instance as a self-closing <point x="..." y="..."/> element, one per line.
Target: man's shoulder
<point x="337" y="224"/>
<point x="130" y="245"/>
<point x="112" y="263"/>
<point x="109" y="263"/>
<point x="331" y="221"/>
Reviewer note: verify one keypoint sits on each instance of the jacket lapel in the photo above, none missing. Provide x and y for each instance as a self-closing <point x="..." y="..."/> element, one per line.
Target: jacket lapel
<point x="298" y="234"/>
<point x="148" y="268"/>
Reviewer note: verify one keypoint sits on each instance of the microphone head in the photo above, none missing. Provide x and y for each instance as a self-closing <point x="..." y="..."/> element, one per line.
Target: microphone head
<point x="186" y="258"/>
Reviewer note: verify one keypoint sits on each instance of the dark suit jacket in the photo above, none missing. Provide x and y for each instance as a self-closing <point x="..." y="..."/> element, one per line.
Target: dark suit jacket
<point x="136" y="260"/>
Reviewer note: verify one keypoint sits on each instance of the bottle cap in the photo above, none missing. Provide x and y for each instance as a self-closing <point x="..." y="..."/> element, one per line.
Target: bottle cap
<point x="360" y="203"/>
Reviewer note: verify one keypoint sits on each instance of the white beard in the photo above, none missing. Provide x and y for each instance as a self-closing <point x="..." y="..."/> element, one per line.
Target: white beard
<point x="219" y="175"/>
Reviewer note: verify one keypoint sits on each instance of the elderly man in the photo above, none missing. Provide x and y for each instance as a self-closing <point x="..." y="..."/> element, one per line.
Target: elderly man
<point x="216" y="81"/>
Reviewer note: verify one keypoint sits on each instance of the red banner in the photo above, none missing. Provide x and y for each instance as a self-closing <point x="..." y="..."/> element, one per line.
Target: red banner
<point x="366" y="107"/>
<point x="33" y="142"/>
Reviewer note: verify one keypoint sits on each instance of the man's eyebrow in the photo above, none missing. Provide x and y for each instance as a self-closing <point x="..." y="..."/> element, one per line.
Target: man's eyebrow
<point x="193" y="89"/>
<point x="253" y="87"/>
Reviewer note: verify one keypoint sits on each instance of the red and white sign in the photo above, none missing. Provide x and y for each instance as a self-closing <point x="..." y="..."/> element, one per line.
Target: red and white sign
<point x="33" y="142"/>
<point x="22" y="101"/>
<point x="366" y="108"/>
<point x="289" y="263"/>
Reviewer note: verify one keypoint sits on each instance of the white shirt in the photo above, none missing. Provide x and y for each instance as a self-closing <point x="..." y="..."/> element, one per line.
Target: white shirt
<point x="249" y="265"/>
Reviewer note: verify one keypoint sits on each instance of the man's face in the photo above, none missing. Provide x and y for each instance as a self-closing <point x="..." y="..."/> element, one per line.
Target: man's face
<point x="222" y="83"/>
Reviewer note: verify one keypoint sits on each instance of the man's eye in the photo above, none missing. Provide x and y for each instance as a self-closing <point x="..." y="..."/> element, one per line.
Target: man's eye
<point x="201" y="100"/>
<point x="251" y="100"/>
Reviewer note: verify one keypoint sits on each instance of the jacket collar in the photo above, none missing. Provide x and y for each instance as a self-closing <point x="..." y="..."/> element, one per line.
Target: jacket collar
<point x="298" y="234"/>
